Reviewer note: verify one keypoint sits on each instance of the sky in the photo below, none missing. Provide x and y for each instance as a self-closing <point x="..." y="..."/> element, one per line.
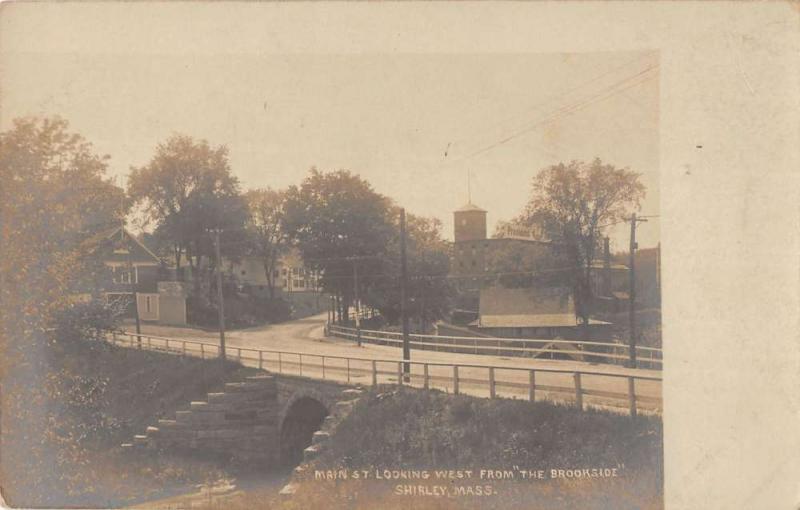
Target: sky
<point x="415" y="125"/>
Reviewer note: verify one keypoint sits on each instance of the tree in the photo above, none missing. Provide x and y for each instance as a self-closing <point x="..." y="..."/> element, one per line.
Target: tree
<point x="428" y="258"/>
<point x="338" y="220"/>
<point x="187" y="189"/>
<point x="573" y="204"/>
<point x="268" y="238"/>
<point x="54" y="196"/>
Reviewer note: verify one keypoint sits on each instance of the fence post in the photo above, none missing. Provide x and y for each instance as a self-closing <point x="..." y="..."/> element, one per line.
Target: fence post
<point x="202" y="351"/>
<point x="183" y="348"/>
<point x="260" y="360"/>
<point x="323" y="366"/>
<point x="427" y="383"/>
<point x="491" y="382"/>
<point x="280" y="368"/>
<point x="578" y="391"/>
<point x="348" y="370"/>
<point x="239" y="354"/>
<point x="301" y="363"/>
<point x="455" y="379"/>
<point x="149" y="344"/>
<point x="374" y="373"/>
<point x="632" y="396"/>
<point x="532" y="385"/>
<point x="399" y="373"/>
<point x="167" y="344"/>
<point x="114" y="337"/>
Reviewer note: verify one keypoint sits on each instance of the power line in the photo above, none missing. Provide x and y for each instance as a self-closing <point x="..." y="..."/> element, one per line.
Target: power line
<point x="538" y="106"/>
<point x="606" y="93"/>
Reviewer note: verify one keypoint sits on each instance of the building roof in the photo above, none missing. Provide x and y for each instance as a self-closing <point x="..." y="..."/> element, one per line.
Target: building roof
<point x="549" y="320"/>
<point x="470" y="207"/>
<point x="527" y="308"/>
<point x="140" y="254"/>
<point x="526" y="301"/>
<point x="599" y="264"/>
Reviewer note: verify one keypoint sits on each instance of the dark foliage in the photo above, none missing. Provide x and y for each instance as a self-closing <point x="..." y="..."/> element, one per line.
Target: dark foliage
<point x="411" y="428"/>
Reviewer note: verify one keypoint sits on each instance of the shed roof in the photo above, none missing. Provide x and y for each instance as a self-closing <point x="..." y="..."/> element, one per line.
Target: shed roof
<point x="550" y="320"/>
<point x="526" y="301"/>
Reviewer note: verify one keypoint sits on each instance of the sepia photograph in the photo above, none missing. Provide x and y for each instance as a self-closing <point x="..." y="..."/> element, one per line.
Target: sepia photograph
<point x="238" y="274"/>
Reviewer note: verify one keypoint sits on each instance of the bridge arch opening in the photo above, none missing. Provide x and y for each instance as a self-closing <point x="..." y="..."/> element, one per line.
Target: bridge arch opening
<point x="304" y="417"/>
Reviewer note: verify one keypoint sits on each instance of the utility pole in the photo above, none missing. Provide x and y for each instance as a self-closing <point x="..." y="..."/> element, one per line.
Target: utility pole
<point x="221" y="304"/>
<point x="403" y="288"/>
<point x="632" y="292"/>
<point x="133" y="280"/>
<point x="132" y="273"/>
<point x="358" y="302"/>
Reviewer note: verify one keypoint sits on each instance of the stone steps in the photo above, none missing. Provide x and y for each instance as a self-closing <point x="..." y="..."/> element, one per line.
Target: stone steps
<point x="243" y="413"/>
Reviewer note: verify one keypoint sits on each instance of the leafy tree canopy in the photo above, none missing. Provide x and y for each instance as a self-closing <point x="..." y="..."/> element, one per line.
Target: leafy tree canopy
<point x="54" y="196"/>
<point x="573" y="204"/>
<point x="187" y="189"/>
<point x="266" y="230"/>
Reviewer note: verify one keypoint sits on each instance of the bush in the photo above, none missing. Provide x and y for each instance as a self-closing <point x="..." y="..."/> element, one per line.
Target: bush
<point x="408" y="428"/>
<point x="87" y="320"/>
<point x="240" y="312"/>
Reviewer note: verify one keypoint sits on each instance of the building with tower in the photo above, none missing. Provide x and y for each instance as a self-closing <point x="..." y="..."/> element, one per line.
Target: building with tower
<point x="479" y="287"/>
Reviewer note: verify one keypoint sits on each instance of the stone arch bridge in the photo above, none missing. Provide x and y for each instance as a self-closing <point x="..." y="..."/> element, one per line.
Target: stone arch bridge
<point x="267" y="418"/>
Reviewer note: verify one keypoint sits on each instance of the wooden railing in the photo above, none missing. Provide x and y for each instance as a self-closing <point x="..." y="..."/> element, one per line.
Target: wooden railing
<point x="597" y="352"/>
<point x="631" y="392"/>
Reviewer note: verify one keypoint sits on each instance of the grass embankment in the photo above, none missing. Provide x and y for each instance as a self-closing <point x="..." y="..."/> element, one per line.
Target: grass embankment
<point x="390" y="433"/>
<point x="63" y="432"/>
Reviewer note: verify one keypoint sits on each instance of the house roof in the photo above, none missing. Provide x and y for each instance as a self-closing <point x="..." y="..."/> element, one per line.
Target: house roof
<point x="470" y="207"/>
<point x="142" y="254"/>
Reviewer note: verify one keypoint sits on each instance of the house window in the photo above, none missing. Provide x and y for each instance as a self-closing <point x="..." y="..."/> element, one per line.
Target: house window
<point x="284" y="271"/>
<point x="276" y="273"/>
<point x="125" y="275"/>
<point x="299" y="283"/>
<point x="148" y="305"/>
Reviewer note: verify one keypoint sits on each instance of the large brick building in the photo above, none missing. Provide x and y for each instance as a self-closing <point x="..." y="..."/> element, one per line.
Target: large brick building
<point x="473" y="249"/>
<point x="473" y="253"/>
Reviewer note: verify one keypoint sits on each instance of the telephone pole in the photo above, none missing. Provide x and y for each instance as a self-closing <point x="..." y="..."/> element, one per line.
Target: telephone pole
<point x="132" y="272"/>
<point x="403" y="285"/>
<point x="358" y="302"/>
<point x="134" y="281"/>
<point x="632" y="291"/>
<point x="220" y="304"/>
